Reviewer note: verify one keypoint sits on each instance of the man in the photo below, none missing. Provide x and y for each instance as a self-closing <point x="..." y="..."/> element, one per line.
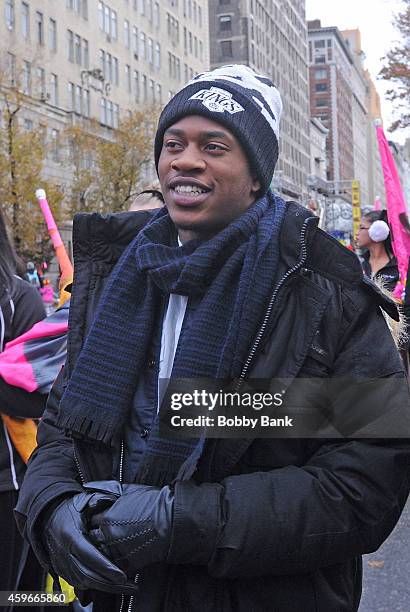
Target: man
<point x="225" y="282"/>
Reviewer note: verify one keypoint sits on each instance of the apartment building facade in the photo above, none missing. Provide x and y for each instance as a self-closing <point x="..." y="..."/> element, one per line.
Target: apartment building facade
<point x="330" y="72"/>
<point x="100" y="59"/>
<point x="271" y="38"/>
<point x="360" y="114"/>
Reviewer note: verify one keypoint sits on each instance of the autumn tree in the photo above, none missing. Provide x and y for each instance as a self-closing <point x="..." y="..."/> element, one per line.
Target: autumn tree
<point x="396" y="69"/>
<point x="22" y="156"/>
<point x="108" y="168"/>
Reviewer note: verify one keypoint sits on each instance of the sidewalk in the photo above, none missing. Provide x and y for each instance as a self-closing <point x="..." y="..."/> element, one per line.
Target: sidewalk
<point x="386" y="585"/>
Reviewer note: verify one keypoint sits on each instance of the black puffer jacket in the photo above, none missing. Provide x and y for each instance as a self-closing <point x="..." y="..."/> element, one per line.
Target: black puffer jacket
<point x="298" y="513"/>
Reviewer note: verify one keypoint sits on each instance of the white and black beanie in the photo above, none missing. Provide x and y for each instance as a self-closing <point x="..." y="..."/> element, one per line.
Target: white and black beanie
<point x="247" y="103"/>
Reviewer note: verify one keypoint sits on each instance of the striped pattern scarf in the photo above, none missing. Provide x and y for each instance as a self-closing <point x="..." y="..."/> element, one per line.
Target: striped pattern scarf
<point x="233" y="273"/>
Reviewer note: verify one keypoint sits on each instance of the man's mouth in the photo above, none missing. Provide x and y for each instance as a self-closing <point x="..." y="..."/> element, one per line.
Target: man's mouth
<point x="188" y="192"/>
<point x="193" y="190"/>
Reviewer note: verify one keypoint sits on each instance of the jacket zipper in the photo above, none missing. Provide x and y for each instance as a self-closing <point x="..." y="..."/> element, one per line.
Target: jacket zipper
<point x="262" y="328"/>
<point x="137" y="576"/>
<point x="80" y="472"/>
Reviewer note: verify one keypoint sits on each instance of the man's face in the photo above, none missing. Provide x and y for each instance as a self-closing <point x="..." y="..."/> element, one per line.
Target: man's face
<point x="205" y="177"/>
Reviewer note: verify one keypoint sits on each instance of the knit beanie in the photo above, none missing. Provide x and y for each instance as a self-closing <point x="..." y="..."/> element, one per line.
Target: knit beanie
<point x="248" y="104"/>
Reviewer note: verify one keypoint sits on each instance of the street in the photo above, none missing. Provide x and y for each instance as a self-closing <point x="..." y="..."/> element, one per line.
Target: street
<point x="386" y="585"/>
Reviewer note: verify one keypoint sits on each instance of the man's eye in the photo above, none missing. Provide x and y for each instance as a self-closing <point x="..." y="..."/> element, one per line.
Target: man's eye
<point x="172" y="144"/>
<point x="215" y="147"/>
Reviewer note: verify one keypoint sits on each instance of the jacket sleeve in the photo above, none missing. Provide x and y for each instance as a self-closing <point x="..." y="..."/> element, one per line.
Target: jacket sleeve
<point x="17" y="402"/>
<point x="343" y="502"/>
<point x="51" y="473"/>
<point x="29" y="308"/>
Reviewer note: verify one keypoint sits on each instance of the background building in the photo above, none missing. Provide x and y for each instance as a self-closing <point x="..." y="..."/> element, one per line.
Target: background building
<point x="330" y="75"/>
<point x="271" y="37"/>
<point x="360" y="115"/>
<point x="80" y="59"/>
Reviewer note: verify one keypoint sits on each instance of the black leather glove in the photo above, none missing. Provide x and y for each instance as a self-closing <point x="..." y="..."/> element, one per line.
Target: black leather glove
<point x="71" y="553"/>
<point x="136" y="530"/>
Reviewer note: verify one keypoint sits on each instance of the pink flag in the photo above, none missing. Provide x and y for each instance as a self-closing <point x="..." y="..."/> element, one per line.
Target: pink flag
<point x="396" y="210"/>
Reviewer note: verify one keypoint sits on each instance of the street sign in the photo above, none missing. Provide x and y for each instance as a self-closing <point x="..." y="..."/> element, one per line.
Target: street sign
<point x="356" y="212"/>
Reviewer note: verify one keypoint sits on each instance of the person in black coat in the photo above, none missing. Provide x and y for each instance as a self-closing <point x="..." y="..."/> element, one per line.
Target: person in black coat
<point x="21" y="307"/>
<point x="227" y="282"/>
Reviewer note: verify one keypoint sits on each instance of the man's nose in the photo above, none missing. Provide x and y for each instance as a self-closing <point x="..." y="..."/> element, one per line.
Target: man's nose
<point x="189" y="159"/>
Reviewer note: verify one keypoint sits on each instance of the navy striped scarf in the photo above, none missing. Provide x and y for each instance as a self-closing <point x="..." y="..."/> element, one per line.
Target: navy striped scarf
<point x="233" y="274"/>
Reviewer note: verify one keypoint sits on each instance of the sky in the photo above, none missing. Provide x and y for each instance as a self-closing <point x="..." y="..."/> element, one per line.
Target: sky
<point x="373" y="18"/>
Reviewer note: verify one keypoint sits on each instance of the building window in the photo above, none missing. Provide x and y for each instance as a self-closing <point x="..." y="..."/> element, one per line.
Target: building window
<point x="225" y="23"/>
<point x="150" y="51"/>
<point x="126" y="33"/>
<point x="9" y="14"/>
<point x="319" y="44"/>
<point x="116" y="115"/>
<point x="116" y="71"/>
<point x="157" y="56"/>
<point x="128" y="77"/>
<point x="135" y="41"/>
<point x="321" y="87"/>
<point x="320" y="74"/>
<point x="78" y="100"/>
<point x="152" y="90"/>
<point x="144" y="88"/>
<point x="101" y="16"/>
<point x="40" y="28"/>
<point x="54" y="89"/>
<point x="26" y="77"/>
<point x="71" y="98"/>
<point x="114" y="25"/>
<point x="156" y="15"/>
<point x="321" y="102"/>
<point x="86" y="103"/>
<point x="103" y="111"/>
<point x="55" y="150"/>
<point x="110" y="113"/>
<point x="226" y="48"/>
<point x="86" y="54"/>
<point x="52" y="35"/>
<point x="28" y="125"/>
<point x="136" y="85"/>
<point x="70" y="36"/>
<point x="159" y="93"/>
<point x="11" y="67"/>
<point x="199" y="16"/>
<point x="25" y="20"/>
<point x="41" y="83"/>
<point x="77" y="46"/>
<point x="107" y="20"/>
<point x="142" y="45"/>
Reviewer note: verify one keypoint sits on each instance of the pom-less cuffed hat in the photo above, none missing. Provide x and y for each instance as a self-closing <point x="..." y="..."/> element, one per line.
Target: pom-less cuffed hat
<point x="248" y="104"/>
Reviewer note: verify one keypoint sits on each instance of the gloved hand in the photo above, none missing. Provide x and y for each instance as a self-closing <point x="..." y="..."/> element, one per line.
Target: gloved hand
<point x="71" y="553"/>
<point x="135" y="531"/>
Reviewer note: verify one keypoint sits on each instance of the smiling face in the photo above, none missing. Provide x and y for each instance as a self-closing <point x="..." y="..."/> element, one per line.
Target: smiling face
<point x="205" y="177"/>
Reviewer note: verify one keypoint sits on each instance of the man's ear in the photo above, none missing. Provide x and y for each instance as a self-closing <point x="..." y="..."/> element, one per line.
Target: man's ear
<point x="256" y="185"/>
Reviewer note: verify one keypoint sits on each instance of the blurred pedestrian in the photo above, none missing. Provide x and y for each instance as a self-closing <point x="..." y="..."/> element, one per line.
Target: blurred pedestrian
<point x="21" y="307"/>
<point x="148" y="199"/>
<point x="378" y="260"/>
<point x="32" y="276"/>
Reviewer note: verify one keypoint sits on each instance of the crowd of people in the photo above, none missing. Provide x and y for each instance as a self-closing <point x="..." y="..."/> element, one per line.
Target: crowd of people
<point x="211" y="277"/>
